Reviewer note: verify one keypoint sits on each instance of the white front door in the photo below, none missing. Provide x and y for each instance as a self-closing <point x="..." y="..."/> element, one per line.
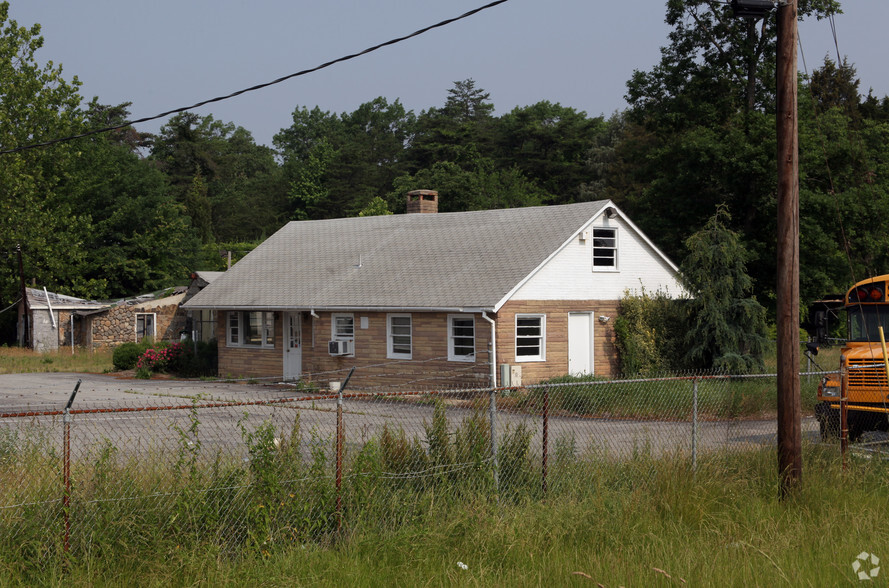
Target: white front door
<point x="292" y="346"/>
<point x="580" y="343"/>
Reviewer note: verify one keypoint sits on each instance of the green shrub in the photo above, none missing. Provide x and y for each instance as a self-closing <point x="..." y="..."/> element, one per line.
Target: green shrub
<point x="160" y="357"/>
<point x="649" y="332"/>
<point x="125" y="356"/>
<point x="197" y="359"/>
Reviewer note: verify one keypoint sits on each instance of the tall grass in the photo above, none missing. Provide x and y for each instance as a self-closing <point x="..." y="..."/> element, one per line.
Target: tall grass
<point x="413" y="507"/>
<point x="644" y="522"/>
<point x="16" y="360"/>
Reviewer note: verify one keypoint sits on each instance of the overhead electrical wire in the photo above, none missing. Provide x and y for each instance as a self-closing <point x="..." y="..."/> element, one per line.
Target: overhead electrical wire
<point x="258" y="86"/>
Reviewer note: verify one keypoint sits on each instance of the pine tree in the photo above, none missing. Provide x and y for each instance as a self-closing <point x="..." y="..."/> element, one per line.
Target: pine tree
<point x="726" y="323"/>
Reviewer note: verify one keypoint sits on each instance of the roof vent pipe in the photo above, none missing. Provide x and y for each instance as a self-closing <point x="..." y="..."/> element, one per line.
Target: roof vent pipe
<point x="49" y="306"/>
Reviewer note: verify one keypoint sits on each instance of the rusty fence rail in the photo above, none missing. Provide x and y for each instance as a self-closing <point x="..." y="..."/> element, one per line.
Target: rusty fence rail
<point x="299" y="464"/>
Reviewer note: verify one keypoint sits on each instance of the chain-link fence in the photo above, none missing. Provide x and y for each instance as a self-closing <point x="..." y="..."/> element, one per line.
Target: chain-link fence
<point x="248" y="465"/>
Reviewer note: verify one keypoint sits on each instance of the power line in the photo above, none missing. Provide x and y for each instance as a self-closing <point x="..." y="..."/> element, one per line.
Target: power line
<point x="258" y="86"/>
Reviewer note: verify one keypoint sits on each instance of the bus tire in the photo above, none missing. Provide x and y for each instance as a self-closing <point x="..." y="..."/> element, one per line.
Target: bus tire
<point x="828" y="422"/>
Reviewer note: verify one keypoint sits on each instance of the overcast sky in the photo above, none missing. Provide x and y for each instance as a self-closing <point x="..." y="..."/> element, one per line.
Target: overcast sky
<point x="164" y="54"/>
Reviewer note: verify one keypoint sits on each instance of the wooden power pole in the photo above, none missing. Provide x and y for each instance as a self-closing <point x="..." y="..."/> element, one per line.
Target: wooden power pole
<point x="787" y="294"/>
<point x="25" y="331"/>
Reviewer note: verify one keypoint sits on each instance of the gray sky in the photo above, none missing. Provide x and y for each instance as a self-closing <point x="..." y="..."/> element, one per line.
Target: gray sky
<point x="163" y="54"/>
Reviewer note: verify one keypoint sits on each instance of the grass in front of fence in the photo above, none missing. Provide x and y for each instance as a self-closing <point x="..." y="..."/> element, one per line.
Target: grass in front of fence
<point x="661" y="399"/>
<point x="643" y="522"/>
<point x="416" y="505"/>
<point x="16" y="360"/>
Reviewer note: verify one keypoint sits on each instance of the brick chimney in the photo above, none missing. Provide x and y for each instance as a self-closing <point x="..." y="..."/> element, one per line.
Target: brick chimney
<point x="422" y="201"/>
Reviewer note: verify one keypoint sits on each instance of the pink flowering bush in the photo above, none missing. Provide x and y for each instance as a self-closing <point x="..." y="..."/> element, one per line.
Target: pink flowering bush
<point x="158" y="358"/>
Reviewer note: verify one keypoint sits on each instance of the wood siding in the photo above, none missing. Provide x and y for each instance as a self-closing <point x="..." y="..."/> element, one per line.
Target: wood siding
<point x="569" y="274"/>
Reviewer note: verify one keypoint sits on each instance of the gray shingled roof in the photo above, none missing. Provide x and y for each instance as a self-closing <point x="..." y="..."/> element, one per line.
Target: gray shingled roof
<point x="444" y="260"/>
<point x="38" y="299"/>
<point x="207" y="276"/>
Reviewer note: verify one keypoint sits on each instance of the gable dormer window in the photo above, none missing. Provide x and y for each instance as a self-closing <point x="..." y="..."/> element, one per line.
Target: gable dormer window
<point x="604" y="248"/>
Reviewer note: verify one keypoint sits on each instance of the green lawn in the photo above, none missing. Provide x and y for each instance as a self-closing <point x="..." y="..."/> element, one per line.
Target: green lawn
<point x="15" y="360"/>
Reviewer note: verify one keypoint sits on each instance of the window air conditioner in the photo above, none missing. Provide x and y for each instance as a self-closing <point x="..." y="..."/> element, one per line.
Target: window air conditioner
<point x="339" y="347"/>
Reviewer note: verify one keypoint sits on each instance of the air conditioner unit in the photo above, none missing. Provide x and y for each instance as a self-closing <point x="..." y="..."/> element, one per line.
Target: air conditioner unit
<point x="340" y="347"/>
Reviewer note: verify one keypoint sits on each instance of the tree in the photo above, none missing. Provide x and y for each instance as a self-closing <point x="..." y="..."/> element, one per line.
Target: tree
<point x="835" y="86"/>
<point x="844" y="186"/>
<point x="550" y="144"/>
<point x="104" y="115"/>
<point x="714" y="66"/>
<point x="38" y="104"/>
<point x="377" y="207"/>
<point x="243" y="182"/>
<point x="371" y="154"/>
<point x="446" y="134"/>
<point x="139" y="238"/>
<point x="467" y="104"/>
<point x="727" y="325"/>
<point x="308" y="194"/>
<point x="700" y="132"/>
<point x="309" y="128"/>
<point x="247" y="195"/>
<point x="197" y="206"/>
<point x="336" y="166"/>
<point x="480" y="188"/>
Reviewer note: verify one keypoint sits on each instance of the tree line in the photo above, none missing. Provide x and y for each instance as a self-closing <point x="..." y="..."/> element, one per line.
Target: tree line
<point x="125" y="212"/>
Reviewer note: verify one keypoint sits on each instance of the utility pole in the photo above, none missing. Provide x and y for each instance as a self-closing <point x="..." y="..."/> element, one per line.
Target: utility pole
<point x="787" y="294"/>
<point x="25" y="335"/>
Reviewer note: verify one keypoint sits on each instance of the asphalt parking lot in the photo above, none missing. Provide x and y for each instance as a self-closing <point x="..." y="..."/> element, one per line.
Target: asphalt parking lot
<point x="151" y="413"/>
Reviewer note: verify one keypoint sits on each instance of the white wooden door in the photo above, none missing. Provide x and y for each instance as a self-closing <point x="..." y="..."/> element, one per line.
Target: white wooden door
<point x="580" y="343"/>
<point x="292" y="346"/>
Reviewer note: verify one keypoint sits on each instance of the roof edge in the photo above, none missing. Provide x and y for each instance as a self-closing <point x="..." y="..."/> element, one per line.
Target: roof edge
<point x="607" y="203"/>
<point x="458" y="309"/>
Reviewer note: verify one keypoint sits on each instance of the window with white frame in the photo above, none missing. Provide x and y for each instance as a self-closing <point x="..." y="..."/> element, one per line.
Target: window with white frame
<point x="398" y="336"/>
<point x="250" y="329"/>
<point x="530" y="337"/>
<point x="461" y="337"/>
<point x="233" y="329"/>
<point x="343" y="329"/>
<point x="145" y="325"/>
<point x="604" y="248"/>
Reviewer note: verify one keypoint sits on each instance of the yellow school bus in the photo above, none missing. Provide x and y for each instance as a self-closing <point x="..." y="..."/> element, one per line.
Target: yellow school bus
<point x="862" y="378"/>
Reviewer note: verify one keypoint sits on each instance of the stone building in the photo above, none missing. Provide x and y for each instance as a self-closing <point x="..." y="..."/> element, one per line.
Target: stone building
<point x="51" y="321"/>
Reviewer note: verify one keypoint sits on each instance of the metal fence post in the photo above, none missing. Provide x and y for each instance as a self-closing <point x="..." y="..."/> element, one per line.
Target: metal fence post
<point x="545" y="438"/>
<point x="492" y="414"/>
<point x="694" y="425"/>
<point x="66" y="469"/>
<point x="844" y="414"/>
<point x="340" y="439"/>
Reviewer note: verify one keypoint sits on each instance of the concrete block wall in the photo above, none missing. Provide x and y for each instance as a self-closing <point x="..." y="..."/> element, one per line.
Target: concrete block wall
<point x="45" y="337"/>
<point x="428" y="368"/>
<point x="239" y="362"/>
<point x="556" y="311"/>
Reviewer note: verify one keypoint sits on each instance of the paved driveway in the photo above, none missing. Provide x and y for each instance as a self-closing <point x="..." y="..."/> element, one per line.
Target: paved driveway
<point x="52" y="390"/>
<point x="140" y="419"/>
